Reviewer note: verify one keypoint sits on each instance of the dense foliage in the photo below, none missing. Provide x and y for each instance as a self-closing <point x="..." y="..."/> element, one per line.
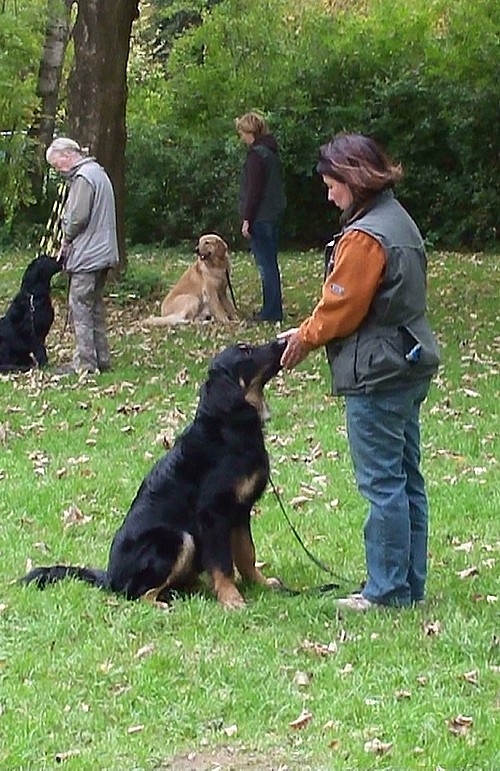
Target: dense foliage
<point x="421" y="78"/>
<point x="21" y="37"/>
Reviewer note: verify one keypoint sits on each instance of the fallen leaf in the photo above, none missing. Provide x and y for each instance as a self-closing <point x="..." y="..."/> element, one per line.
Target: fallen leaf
<point x="73" y="516"/>
<point x="466" y="547"/>
<point x="303" y="719"/>
<point x="135" y="729"/>
<point x="378" y="747"/>
<point x="299" y="501"/>
<point x="302" y="679"/>
<point x="146" y="650"/>
<point x="62" y="756"/>
<point x="460" y="725"/>
<point x="432" y="628"/>
<point x="468" y="572"/>
<point x="231" y="730"/>
<point x="320" y="649"/>
<point x="471" y="677"/>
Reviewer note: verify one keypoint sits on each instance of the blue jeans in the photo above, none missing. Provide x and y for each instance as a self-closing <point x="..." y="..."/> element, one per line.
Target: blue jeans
<point x="264" y="246"/>
<point x="384" y="439"/>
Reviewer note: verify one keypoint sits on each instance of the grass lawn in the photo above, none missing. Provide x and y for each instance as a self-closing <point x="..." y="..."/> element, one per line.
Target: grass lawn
<point x="91" y="681"/>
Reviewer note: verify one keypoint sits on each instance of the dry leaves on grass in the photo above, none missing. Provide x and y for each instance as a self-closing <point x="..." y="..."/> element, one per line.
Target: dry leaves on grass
<point x="378" y="747"/>
<point x="135" y="729"/>
<point x="302" y="679"/>
<point x="460" y="725"/>
<point x="146" y="650"/>
<point x="468" y="572"/>
<point x="432" y="628"/>
<point x="319" y="649"/>
<point x="74" y="516"/>
<point x="62" y="756"/>
<point x="302" y="720"/>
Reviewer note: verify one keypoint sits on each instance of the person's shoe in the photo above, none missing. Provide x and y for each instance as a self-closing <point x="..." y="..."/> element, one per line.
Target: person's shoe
<point x="64" y="369"/>
<point x="357" y="603"/>
<point x="69" y="369"/>
<point x="258" y="318"/>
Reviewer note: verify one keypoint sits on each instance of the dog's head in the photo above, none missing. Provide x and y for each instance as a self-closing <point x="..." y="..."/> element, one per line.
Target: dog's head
<point x="238" y="374"/>
<point x="38" y="274"/>
<point x="214" y="251"/>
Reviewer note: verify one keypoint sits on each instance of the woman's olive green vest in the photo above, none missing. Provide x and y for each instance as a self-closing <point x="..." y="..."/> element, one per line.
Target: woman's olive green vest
<point x="394" y="344"/>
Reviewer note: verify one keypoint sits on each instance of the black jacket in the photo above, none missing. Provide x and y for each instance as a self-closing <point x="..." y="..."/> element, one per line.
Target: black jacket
<point x="262" y="190"/>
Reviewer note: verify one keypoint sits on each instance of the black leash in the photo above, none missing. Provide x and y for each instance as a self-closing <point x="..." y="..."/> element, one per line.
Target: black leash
<point x="231" y="289"/>
<point x="322" y="588"/>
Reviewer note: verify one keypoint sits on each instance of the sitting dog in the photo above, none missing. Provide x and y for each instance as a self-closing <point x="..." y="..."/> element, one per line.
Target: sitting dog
<point x="191" y="513"/>
<point x="201" y="292"/>
<point x="27" y="322"/>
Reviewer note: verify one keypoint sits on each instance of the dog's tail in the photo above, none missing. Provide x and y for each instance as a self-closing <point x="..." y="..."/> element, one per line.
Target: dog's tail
<point x="163" y="321"/>
<point x="44" y="576"/>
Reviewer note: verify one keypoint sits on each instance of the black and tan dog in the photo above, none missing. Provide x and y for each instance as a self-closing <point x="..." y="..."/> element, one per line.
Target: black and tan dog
<point x="192" y="512"/>
<point x="26" y="324"/>
<point x="201" y="293"/>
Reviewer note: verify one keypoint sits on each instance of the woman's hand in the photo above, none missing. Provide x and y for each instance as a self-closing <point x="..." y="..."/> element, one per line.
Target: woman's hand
<point x="295" y="351"/>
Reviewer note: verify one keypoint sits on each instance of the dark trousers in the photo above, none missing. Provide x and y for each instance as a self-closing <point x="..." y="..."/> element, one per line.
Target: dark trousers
<point x="264" y="245"/>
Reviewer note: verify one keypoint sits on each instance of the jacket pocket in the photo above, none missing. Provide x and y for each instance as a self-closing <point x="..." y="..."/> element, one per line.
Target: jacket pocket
<point x="380" y="358"/>
<point x="420" y="346"/>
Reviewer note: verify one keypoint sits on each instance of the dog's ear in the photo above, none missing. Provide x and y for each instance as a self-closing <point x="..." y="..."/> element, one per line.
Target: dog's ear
<point x="220" y="395"/>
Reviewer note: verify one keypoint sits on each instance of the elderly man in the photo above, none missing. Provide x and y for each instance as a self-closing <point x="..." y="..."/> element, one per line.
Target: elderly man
<point x="88" y="250"/>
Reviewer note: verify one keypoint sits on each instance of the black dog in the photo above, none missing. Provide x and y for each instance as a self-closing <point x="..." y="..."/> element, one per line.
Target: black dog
<point x="192" y="512"/>
<point x="26" y="324"/>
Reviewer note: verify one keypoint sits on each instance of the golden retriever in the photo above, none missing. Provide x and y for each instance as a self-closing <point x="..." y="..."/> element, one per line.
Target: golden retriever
<point x="201" y="292"/>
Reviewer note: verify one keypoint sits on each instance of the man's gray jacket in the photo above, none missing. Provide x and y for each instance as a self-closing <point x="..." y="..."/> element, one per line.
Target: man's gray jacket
<point x="89" y="219"/>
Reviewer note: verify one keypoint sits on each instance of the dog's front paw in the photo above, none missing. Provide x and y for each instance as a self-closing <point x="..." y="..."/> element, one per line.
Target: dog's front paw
<point x="231" y="599"/>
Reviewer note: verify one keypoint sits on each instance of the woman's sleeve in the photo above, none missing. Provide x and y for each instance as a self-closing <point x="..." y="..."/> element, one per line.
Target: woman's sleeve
<point x="256" y="177"/>
<point x="347" y="292"/>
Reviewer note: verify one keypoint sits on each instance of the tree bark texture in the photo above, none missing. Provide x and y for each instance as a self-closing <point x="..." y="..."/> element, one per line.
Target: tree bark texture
<point x="57" y="34"/>
<point x="97" y="90"/>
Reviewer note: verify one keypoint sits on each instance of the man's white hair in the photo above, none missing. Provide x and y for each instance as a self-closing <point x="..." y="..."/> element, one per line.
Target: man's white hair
<point x="62" y="145"/>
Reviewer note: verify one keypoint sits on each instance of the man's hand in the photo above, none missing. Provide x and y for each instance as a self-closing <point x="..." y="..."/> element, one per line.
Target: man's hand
<point x="64" y="252"/>
<point x="295" y="351"/>
<point x="245" y="229"/>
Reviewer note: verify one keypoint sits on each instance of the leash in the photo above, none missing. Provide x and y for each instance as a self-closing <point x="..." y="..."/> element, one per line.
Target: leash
<point x="51" y="241"/>
<point x="322" y="588"/>
<point x="52" y="238"/>
<point x="231" y="289"/>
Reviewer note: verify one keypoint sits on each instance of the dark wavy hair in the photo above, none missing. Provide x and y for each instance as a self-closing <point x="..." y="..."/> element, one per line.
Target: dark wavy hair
<point x="359" y="162"/>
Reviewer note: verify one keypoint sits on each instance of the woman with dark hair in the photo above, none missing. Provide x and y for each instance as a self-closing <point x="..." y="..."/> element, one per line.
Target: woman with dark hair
<point x="262" y="204"/>
<point x="382" y="354"/>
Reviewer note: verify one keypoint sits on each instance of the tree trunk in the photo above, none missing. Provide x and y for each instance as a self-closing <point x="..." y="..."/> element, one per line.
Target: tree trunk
<point x="97" y="90"/>
<point x="49" y="80"/>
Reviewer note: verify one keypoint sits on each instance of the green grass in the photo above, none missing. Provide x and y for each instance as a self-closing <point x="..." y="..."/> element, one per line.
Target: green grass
<point x="121" y="685"/>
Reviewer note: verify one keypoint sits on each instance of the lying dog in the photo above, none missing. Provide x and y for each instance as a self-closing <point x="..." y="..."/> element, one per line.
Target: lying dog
<point x="201" y="292"/>
<point x="192" y="512"/>
<point x="26" y="324"/>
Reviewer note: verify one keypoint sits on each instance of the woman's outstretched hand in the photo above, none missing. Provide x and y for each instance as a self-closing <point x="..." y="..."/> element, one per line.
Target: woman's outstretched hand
<point x="295" y="351"/>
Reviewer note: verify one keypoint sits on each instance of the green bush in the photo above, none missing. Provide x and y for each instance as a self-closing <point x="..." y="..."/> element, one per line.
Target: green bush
<point x="422" y="79"/>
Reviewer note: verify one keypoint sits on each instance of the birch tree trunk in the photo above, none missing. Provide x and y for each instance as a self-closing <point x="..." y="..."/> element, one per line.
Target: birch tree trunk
<point x="97" y="90"/>
<point x="57" y="34"/>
